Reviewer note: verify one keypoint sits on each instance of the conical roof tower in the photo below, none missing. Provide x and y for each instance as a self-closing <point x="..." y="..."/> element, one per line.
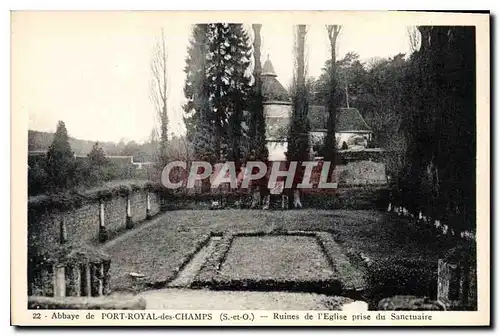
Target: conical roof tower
<point x="272" y="90"/>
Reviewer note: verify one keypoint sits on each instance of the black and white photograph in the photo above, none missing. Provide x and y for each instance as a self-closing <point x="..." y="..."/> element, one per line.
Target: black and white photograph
<point x="226" y="168"/>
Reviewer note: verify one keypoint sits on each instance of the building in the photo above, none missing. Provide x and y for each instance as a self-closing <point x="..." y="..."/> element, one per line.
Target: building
<point x="351" y="129"/>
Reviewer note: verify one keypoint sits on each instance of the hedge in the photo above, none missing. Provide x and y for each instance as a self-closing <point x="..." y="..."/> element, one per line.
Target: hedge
<point x="70" y="200"/>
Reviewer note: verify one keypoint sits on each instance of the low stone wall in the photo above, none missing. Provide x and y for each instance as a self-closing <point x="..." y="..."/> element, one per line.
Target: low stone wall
<point x="102" y="303"/>
<point x="88" y="218"/>
<point x="361" y="173"/>
<point x="457" y="278"/>
<point x="70" y="271"/>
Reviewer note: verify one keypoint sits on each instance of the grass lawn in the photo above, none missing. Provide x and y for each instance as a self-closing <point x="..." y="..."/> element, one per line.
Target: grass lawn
<point x="273" y="257"/>
<point x="158" y="249"/>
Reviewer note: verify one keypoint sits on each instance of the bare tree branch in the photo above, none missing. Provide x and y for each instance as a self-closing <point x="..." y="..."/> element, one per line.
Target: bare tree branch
<point x="333" y="33"/>
<point x="159" y="90"/>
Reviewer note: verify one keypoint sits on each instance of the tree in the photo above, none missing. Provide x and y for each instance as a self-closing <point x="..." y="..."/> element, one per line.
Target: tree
<point x="131" y="148"/>
<point x="153" y="147"/>
<point x="199" y="125"/>
<point x="97" y="163"/>
<point x="229" y="88"/>
<point x="413" y="38"/>
<point x="180" y="149"/>
<point x="60" y="159"/>
<point x="298" y="141"/>
<point x="257" y="129"/>
<point x="440" y="126"/>
<point x="217" y="88"/>
<point x="37" y="177"/>
<point x="96" y="156"/>
<point x="351" y="79"/>
<point x="159" y="91"/>
<point x="298" y="138"/>
<point x="332" y="99"/>
<point x="375" y="88"/>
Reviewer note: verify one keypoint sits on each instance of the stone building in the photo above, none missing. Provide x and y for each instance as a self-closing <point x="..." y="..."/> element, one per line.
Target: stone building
<point x="351" y="129"/>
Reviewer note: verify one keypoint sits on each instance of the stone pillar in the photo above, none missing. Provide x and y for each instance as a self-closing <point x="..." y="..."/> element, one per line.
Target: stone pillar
<point x="472" y="287"/>
<point x="36" y="288"/>
<point x="96" y="271"/>
<point x="47" y="280"/>
<point x="129" y="223"/>
<point x="63" y="236"/>
<point x="106" y="277"/>
<point x="255" y="197"/>
<point x="284" y="201"/>
<point x="148" y="205"/>
<point x="59" y="281"/>
<point x="73" y="280"/>
<point x="444" y="278"/>
<point x="266" y="202"/>
<point x="296" y="199"/>
<point x="103" y="235"/>
<point x="85" y="280"/>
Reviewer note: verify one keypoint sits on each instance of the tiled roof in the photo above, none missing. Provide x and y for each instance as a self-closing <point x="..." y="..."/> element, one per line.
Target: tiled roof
<point x="268" y="69"/>
<point x="348" y="119"/>
<point x="272" y="90"/>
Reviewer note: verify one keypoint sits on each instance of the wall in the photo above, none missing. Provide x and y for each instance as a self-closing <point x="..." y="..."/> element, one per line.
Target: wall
<point x="277" y="150"/>
<point x="347" y="138"/>
<point x="155" y="204"/>
<point x="319" y="136"/>
<point x="81" y="223"/>
<point x="138" y="205"/>
<point x="361" y="173"/>
<point x="277" y="110"/>
<point x="115" y="213"/>
<point x="277" y="120"/>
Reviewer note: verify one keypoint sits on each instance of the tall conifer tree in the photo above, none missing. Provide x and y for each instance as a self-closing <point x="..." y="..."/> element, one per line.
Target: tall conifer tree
<point x="217" y="66"/>
<point x="60" y="159"/>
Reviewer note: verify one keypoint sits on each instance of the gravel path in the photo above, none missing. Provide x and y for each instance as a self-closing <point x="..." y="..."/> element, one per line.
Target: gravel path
<point x="178" y="299"/>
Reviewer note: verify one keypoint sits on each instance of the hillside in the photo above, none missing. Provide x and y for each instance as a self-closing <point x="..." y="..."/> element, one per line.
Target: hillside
<point x="144" y="152"/>
<point x="40" y="141"/>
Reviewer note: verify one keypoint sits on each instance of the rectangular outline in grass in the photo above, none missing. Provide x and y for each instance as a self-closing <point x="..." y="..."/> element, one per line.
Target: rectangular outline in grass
<point x="210" y="277"/>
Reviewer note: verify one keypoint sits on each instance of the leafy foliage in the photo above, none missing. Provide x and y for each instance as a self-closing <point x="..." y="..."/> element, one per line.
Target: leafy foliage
<point x="60" y="171"/>
<point x="422" y="110"/>
<point x="440" y="125"/>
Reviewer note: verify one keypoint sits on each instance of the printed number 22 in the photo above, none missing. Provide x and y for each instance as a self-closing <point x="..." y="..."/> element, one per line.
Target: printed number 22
<point x="37" y="316"/>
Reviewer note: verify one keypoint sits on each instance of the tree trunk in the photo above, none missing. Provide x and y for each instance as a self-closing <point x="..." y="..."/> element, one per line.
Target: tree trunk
<point x="330" y="147"/>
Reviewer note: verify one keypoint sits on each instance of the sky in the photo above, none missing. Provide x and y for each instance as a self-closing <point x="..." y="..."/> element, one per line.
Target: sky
<point x="93" y="70"/>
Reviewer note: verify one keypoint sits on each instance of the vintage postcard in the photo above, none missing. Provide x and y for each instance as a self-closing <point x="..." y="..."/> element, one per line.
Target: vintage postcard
<point x="269" y="168"/>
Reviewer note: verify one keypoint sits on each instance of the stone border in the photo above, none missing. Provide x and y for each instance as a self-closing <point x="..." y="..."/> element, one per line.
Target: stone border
<point x="434" y="224"/>
<point x="351" y="277"/>
<point x="350" y="283"/>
